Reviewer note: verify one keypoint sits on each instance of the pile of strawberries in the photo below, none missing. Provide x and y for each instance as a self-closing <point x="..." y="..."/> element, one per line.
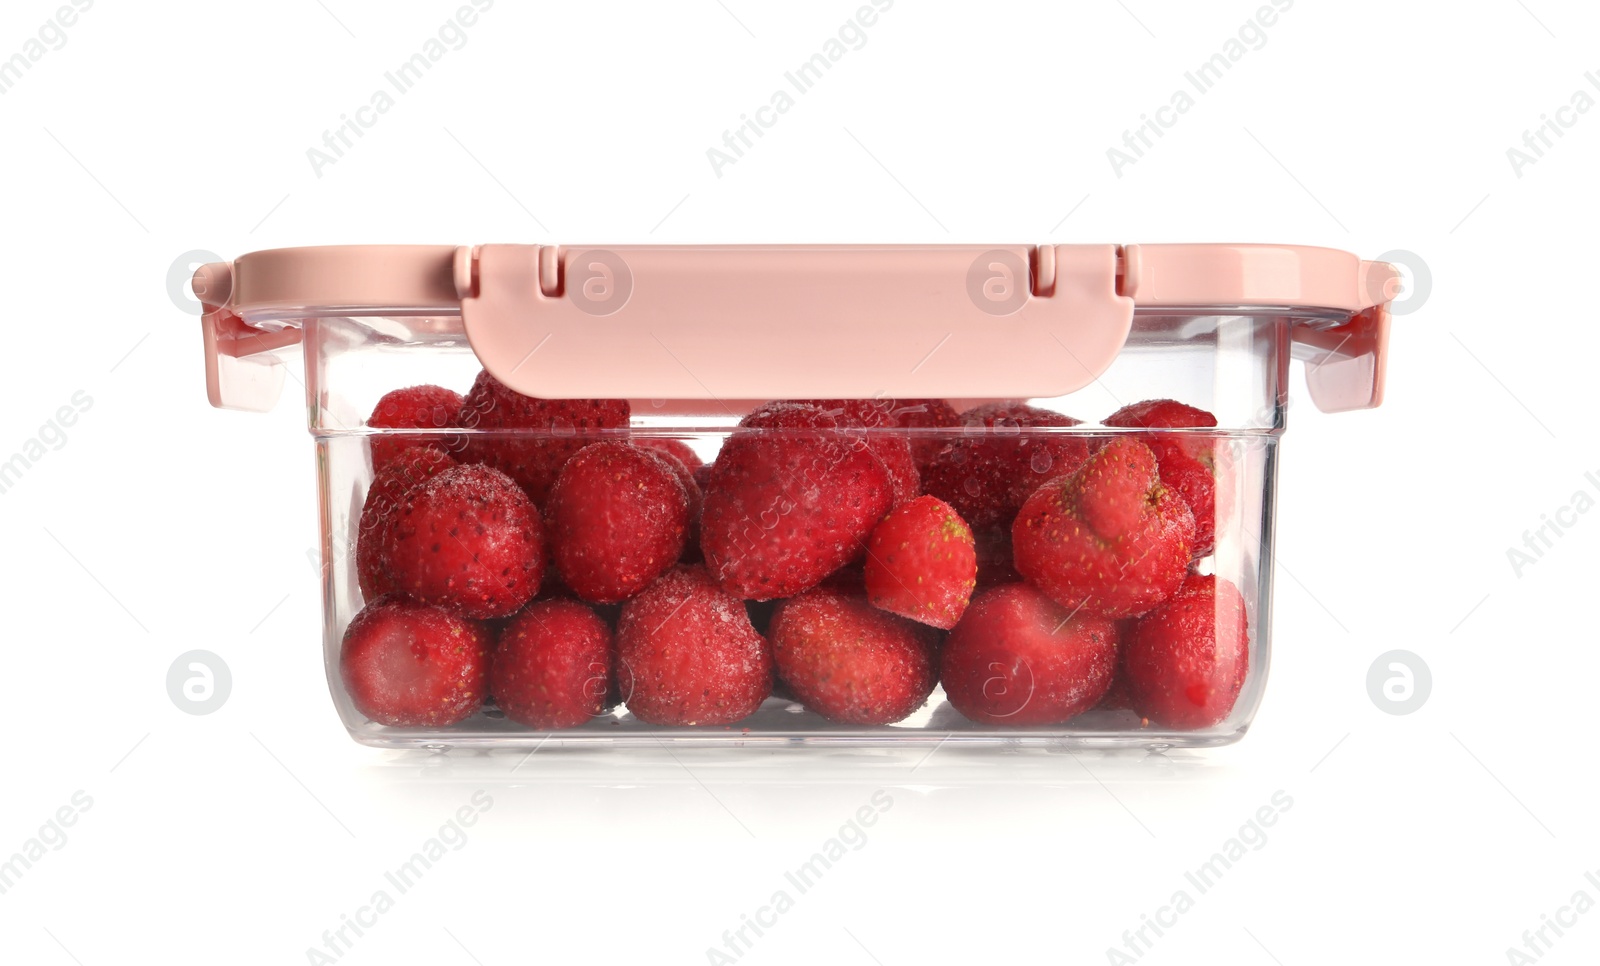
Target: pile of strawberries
<point x="558" y="566"/>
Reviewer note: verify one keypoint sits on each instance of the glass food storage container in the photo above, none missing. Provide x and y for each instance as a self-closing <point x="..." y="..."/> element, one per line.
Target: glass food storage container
<point x="1003" y="495"/>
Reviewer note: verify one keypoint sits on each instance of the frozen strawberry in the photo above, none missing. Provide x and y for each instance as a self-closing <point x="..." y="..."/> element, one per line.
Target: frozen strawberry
<point x="554" y="666"/>
<point x="921" y="563"/>
<point x="1196" y="466"/>
<point x="1111" y="539"/>
<point x="688" y="467"/>
<point x="1019" y="658"/>
<point x="617" y="518"/>
<point x="1186" y="660"/>
<point x="403" y="471"/>
<point x="791" y="498"/>
<point x="675" y="448"/>
<point x="876" y="418"/>
<point x="923" y="416"/>
<point x="468" y="540"/>
<point x="851" y="662"/>
<point x="409" y="664"/>
<point x="552" y="430"/>
<point x="1160" y="414"/>
<point x="416" y="407"/>
<point x="1004" y="453"/>
<point x="895" y="453"/>
<point x="688" y="655"/>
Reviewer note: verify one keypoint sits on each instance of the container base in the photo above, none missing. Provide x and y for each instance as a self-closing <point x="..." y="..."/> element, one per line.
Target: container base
<point x="781" y="722"/>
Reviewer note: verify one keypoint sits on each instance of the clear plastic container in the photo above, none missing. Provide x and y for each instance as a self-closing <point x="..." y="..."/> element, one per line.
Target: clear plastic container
<point x="696" y="338"/>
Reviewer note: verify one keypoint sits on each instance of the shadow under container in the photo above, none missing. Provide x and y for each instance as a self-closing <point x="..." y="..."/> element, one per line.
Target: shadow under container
<point x="696" y="337"/>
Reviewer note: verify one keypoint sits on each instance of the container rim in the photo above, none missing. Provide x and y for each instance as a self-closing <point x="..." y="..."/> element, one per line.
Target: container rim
<point x="513" y="299"/>
<point x="418" y="279"/>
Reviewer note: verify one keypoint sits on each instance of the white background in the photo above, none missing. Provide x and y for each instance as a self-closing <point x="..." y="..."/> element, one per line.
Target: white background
<point x="162" y="526"/>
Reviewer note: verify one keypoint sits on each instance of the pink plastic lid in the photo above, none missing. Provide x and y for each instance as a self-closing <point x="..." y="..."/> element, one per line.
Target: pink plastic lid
<point x="758" y="322"/>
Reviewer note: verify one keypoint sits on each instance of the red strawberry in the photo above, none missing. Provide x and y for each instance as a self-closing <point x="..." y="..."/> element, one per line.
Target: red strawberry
<point x="554" y="665"/>
<point x="925" y="415"/>
<point x="1110" y="539"/>
<point x="850" y="662"/>
<point x="1197" y="466"/>
<point x="921" y="563"/>
<point x="791" y="499"/>
<point x="687" y="465"/>
<point x="675" y="448"/>
<point x="1160" y="414"/>
<point x="403" y="471"/>
<point x="1019" y="658"/>
<point x="468" y="540"/>
<point x="877" y="418"/>
<point x="552" y="430"/>
<point x="417" y="407"/>
<point x="617" y="518"/>
<point x="688" y="655"/>
<point x="408" y="664"/>
<point x="1000" y="459"/>
<point x="1186" y="660"/>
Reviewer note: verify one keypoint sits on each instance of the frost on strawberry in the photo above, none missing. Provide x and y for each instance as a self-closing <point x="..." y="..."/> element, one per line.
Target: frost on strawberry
<point x="554" y="666"/>
<point x="791" y="498"/>
<point x="617" y="518"/>
<point x="403" y="472"/>
<point x="468" y="540"/>
<point x="548" y="432"/>
<point x="1110" y="539"/>
<point x="406" y="663"/>
<point x="1186" y="660"/>
<point x="850" y="662"/>
<point x="923" y="417"/>
<point x="1019" y="658"/>
<point x="690" y="471"/>
<point x="687" y="653"/>
<point x="875" y="418"/>
<point x="1000" y="458"/>
<point x="415" y="407"/>
<point x="922" y="563"/>
<point x="1196" y="465"/>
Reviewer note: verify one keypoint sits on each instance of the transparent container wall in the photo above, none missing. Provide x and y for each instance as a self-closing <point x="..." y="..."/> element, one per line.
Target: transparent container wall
<point x="1233" y="365"/>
